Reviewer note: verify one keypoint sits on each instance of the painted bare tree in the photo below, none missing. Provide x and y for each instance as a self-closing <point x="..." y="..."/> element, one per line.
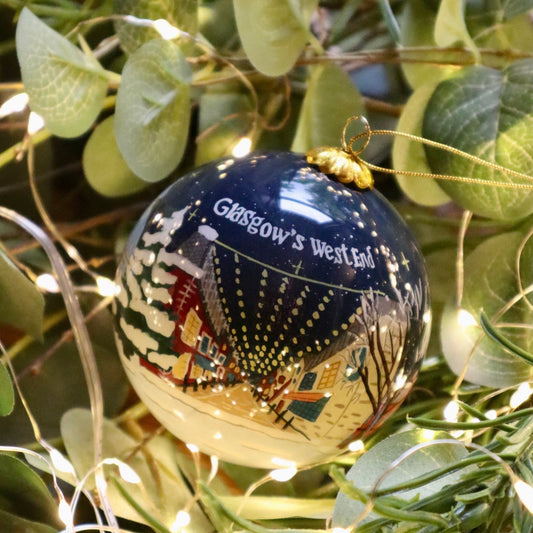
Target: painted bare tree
<point x="383" y="325"/>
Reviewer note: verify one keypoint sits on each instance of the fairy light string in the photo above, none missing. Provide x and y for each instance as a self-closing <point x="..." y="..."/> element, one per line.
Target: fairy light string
<point x="83" y="343"/>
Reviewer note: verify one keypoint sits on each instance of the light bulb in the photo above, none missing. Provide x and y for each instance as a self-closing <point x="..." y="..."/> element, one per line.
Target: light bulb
<point x="243" y="147"/>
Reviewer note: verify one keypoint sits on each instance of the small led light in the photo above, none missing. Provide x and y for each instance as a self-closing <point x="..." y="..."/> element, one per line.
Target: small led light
<point x="466" y="319"/>
<point x="65" y="513"/>
<point x="428" y="434"/>
<point x="183" y="519"/>
<point x="520" y="395"/>
<point x="283" y="474"/>
<point x="106" y="286"/>
<point x="491" y="414"/>
<point x="524" y="491"/>
<point x="165" y="29"/>
<point x="15" y="104"/>
<point x="451" y="411"/>
<point x="35" y="123"/>
<point x="243" y="147"/>
<point x="47" y="282"/>
<point x="356" y="446"/>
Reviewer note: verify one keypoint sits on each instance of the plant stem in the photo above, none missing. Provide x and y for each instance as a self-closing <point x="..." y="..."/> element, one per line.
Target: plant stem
<point x="7" y="156"/>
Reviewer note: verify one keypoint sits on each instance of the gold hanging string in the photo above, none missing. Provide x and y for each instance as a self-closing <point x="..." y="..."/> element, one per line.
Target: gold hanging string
<point x="348" y="146"/>
<point x="368" y="133"/>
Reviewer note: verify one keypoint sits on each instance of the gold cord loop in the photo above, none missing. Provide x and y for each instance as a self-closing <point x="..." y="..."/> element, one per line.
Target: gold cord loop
<point x="348" y="147"/>
<point x="348" y="167"/>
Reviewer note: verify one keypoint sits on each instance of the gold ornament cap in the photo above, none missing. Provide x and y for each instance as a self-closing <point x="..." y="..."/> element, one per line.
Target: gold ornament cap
<point x="345" y="162"/>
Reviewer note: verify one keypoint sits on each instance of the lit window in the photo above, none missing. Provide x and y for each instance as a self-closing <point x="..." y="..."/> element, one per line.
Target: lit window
<point x="329" y="376"/>
<point x="191" y="328"/>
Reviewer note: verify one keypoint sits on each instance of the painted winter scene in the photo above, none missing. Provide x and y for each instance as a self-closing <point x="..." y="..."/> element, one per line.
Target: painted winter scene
<point x="239" y="351"/>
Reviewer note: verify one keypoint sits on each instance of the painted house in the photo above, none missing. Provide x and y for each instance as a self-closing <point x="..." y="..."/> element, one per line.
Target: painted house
<point x="199" y="338"/>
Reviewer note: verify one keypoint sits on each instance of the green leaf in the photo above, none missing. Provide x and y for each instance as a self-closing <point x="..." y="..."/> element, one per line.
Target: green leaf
<point x="21" y="304"/>
<point x="490" y="282"/>
<point x="153" y="109"/>
<point x="450" y="26"/>
<point x="224" y="119"/>
<point x="182" y="14"/>
<point x="512" y="8"/>
<point x="417" y="29"/>
<point x="23" y="492"/>
<point x="66" y="87"/>
<point x="273" y="33"/>
<point x="331" y="98"/>
<point x="370" y="466"/>
<point x="410" y="155"/>
<point x="275" y="507"/>
<point x="156" y="467"/>
<point x="15" y="524"/>
<point x="493" y="124"/>
<point x="103" y="164"/>
<point x="490" y="27"/>
<point x="7" y="394"/>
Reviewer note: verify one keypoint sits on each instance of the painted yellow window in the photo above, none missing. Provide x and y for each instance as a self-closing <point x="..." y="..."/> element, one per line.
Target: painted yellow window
<point x="180" y="368"/>
<point x="191" y="328"/>
<point x="329" y="375"/>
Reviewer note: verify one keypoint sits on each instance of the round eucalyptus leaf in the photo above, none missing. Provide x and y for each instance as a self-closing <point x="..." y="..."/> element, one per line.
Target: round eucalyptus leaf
<point x="21" y="303"/>
<point x="153" y="109"/>
<point x="370" y="467"/>
<point x="273" y="33"/>
<point x="490" y="282"/>
<point x="512" y="8"/>
<point x="500" y="29"/>
<point x="493" y="124"/>
<point x="182" y="14"/>
<point x="408" y="155"/>
<point x="24" y="493"/>
<point x="450" y="25"/>
<point x="103" y="164"/>
<point x="223" y="120"/>
<point x="66" y="87"/>
<point x="7" y="394"/>
<point x="331" y="99"/>
<point x="417" y="29"/>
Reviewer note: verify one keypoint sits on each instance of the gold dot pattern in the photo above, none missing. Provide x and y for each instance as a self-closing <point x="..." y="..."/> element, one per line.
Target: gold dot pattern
<point x="287" y="316"/>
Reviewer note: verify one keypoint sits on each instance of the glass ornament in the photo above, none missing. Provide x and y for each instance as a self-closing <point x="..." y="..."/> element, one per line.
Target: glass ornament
<point x="268" y="314"/>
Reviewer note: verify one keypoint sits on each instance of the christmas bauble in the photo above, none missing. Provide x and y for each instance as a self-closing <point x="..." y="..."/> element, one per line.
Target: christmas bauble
<point x="268" y="314"/>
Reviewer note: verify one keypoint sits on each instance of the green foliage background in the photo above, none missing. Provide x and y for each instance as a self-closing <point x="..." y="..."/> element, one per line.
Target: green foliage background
<point x="127" y="111"/>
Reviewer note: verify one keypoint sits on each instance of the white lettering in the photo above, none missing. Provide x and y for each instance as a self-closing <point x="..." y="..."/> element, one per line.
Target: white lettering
<point x="221" y="207"/>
